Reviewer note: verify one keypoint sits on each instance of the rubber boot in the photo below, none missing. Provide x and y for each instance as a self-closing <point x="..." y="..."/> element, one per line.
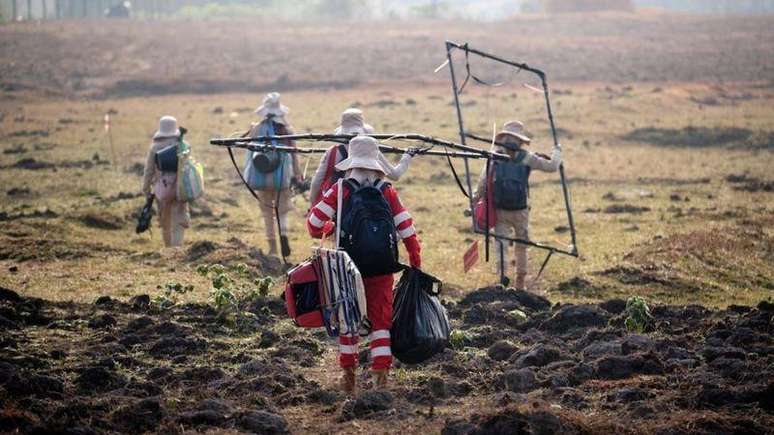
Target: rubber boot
<point x="285" y="245"/>
<point x="272" y="247"/>
<point x="380" y="378"/>
<point x="348" y="381"/>
<point x="520" y="281"/>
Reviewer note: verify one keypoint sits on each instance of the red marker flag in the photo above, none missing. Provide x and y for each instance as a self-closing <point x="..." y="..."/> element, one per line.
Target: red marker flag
<point x="471" y="256"/>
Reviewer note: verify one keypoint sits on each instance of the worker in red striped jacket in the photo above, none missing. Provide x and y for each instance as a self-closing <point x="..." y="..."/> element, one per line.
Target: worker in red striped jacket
<point x="364" y="168"/>
<point x="352" y="122"/>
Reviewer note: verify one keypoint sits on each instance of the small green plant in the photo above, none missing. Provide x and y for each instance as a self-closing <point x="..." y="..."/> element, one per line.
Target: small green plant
<point x="638" y="318"/>
<point x="170" y="294"/>
<point x="233" y="292"/>
<point x="458" y="339"/>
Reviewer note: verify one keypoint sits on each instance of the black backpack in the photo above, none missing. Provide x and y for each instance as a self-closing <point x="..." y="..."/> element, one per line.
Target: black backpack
<point x="511" y="183"/>
<point x="368" y="232"/>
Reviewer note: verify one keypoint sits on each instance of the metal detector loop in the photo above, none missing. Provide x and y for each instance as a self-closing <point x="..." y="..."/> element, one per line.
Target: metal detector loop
<point x="463" y="134"/>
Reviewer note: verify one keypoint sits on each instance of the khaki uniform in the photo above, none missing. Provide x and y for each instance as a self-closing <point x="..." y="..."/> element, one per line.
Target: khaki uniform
<point x="174" y="216"/>
<point x="268" y="197"/>
<point x="515" y="223"/>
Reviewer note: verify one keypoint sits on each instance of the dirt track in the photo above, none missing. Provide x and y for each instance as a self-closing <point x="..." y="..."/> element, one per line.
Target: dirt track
<point x="119" y="366"/>
<point x="136" y="57"/>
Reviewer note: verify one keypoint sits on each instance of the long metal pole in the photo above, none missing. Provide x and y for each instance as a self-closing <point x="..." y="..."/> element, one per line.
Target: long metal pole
<point x="347" y="137"/>
<point x="462" y="131"/>
<point x="519" y="65"/>
<point x="565" y="189"/>
<point x="257" y="146"/>
<point x="571" y="253"/>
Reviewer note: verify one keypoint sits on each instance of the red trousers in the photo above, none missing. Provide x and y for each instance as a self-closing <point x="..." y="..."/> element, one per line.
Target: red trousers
<point x="378" y="290"/>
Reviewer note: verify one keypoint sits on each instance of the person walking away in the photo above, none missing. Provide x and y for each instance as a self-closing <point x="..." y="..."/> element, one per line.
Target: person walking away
<point x="174" y="216"/>
<point x="364" y="171"/>
<point x="271" y="173"/>
<point x="510" y="184"/>
<point x="352" y="122"/>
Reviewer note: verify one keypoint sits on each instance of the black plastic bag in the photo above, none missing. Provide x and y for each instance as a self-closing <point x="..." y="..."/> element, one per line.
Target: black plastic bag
<point x="420" y="326"/>
<point x="146" y="214"/>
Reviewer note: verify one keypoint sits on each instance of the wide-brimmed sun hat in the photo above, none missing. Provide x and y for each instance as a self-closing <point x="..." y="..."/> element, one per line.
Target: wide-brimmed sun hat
<point x="167" y="128"/>
<point x="363" y="154"/>
<point x="513" y="129"/>
<point x="272" y="106"/>
<point x="353" y="122"/>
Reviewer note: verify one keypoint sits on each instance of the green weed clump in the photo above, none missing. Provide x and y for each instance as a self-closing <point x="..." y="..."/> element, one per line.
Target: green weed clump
<point x="638" y="318"/>
<point x="233" y="292"/>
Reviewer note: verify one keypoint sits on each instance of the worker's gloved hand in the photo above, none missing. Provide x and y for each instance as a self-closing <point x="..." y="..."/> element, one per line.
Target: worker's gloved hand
<point x="328" y="228"/>
<point x="412" y="151"/>
<point x="558" y="146"/>
<point x="299" y="185"/>
<point x="467" y="212"/>
<point x="415" y="260"/>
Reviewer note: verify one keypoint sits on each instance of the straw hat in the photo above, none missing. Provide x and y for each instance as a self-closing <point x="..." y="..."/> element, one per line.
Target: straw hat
<point x="167" y="128"/>
<point x="513" y="129"/>
<point x="271" y="106"/>
<point x="353" y="122"/>
<point x="363" y="154"/>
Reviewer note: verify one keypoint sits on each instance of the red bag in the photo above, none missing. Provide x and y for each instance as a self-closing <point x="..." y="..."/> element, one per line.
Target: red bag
<point x="302" y="296"/>
<point x="481" y="207"/>
<point x="480" y="210"/>
<point x="330" y="169"/>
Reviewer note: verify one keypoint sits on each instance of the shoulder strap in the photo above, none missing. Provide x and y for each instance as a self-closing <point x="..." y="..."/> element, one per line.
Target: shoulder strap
<point x="352" y="183"/>
<point x="521" y="156"/>
<point x="382" y="185"/>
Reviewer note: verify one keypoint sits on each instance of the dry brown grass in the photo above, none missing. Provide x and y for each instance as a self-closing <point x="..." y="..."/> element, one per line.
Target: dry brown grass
<point x="600" y="165"/>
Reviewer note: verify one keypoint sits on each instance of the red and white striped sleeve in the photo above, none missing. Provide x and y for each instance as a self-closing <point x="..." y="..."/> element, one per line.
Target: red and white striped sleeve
<point x="402" y="218"/>
<point x="323" y="211"/>
<point x="404" y="224"/>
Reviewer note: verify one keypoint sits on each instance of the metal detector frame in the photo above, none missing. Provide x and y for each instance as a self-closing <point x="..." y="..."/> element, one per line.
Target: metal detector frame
<point x="450" y="47"/>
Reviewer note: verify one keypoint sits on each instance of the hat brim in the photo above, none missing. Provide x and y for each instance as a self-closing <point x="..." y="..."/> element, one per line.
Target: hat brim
<point x="524" y="139"/>
<point x="262" y="111"/>
<point x="160" y="135"/>
<point x="364" y="129"/>
<point x="360" y="163"/>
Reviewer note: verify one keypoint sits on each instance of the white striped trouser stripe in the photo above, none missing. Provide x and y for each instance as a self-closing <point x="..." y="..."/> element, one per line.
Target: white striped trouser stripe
<point x="381" y="333"/>
<point x="381" y="351"/>
<point x="348" y="348"/>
